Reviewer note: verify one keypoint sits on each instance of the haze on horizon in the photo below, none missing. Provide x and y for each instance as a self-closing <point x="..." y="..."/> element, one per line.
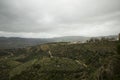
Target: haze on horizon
<point x="54" y="18"/>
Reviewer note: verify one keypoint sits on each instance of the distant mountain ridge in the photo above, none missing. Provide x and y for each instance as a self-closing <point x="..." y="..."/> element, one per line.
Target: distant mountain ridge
<point x="71" y="38"/>
<point x="17" y="42"/>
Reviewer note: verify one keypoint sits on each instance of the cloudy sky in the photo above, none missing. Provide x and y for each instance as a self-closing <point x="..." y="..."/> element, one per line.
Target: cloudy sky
<point x="54" y="18"/>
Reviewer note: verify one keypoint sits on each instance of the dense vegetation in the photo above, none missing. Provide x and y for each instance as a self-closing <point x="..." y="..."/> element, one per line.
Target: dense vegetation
<point x="95" y="60"/>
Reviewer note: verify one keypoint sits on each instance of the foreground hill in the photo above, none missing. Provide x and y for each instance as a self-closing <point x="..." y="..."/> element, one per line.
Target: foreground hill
<point x="62" y="61"/>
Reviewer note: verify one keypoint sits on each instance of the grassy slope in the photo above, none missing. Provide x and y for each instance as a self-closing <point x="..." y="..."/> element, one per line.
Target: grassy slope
<point x="91" y="61"/>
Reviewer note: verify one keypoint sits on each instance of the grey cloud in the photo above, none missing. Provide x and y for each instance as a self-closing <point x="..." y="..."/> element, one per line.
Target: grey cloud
<point x="60" y="17"/>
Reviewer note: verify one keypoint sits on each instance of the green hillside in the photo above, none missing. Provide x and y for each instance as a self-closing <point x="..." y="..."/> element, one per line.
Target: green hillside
<point x="62" y="61"/>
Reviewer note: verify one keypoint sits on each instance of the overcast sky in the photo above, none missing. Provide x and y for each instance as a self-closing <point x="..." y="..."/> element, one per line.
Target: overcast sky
<point x="54" y="18"/>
